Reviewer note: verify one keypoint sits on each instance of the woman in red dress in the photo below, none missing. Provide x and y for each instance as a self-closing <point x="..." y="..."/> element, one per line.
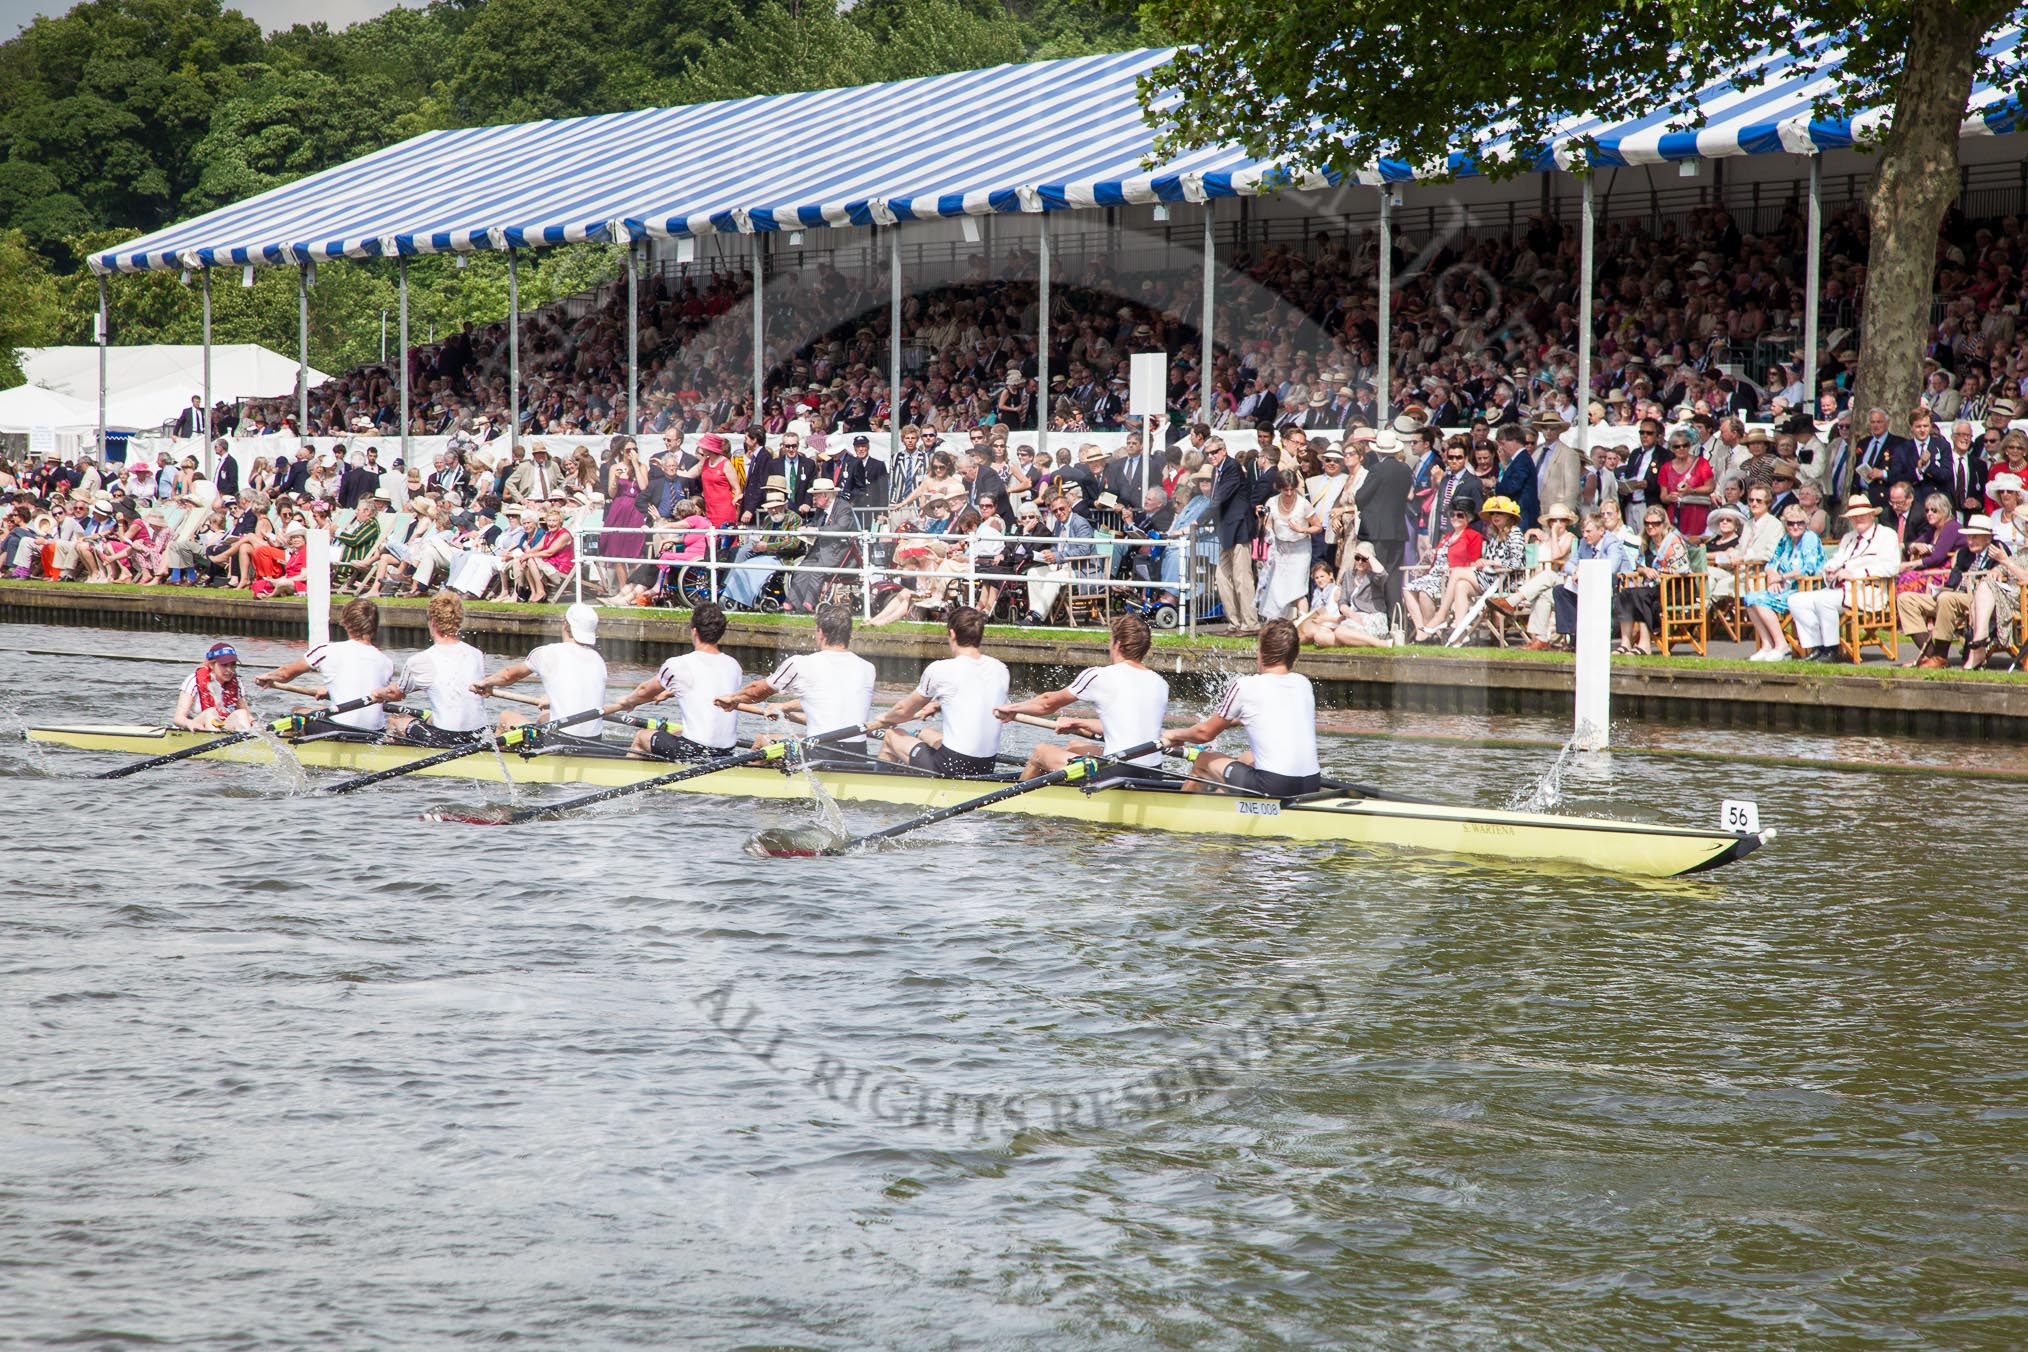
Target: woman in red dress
<point x="717" y="480"/>
<point x="1686" y="487"/>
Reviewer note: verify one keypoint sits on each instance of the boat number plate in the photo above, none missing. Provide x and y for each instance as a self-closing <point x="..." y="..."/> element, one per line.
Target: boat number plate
<point x="1250" y="808"/>
<point x="1739" y="816"/>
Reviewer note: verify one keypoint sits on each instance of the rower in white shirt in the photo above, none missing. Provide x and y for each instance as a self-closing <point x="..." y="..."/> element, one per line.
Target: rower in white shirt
<point x="698" y="679"/>
<point x="969" y="686"/>
<point x="352" y="669"/>
<point x="1278" y="709"/>
<point x="573" y="681"/>
<point x="1871" y="550"/>
<point x="445" y="673"/>
<point x="833" y="684"/>
<point x="1131" y="701"/>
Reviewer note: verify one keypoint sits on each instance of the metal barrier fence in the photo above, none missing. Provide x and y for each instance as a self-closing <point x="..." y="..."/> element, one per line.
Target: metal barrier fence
<point x="874" y="555"/>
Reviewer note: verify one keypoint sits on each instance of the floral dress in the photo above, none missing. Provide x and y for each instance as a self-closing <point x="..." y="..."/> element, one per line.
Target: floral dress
<point x="1801" y="554"/>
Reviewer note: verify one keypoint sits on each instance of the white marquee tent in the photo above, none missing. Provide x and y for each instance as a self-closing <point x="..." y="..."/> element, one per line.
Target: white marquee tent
<point x="150" y="385"/>
<point x="27" y="407"/>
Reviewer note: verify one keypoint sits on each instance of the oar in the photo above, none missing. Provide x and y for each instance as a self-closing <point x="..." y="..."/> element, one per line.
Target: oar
<point x="281" y="726"/>
<point x="526" y="732"/>
<point x="772" y="751"/>
<point x="631" y="720"/>
<point x="1083" y="767"/>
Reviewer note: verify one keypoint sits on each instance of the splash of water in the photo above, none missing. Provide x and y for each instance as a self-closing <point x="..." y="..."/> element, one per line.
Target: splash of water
<point x="826" y="805"/>
<point x="1547" y="794"/>
<point x="507" y="773"/>
<point x="281" y="763"/>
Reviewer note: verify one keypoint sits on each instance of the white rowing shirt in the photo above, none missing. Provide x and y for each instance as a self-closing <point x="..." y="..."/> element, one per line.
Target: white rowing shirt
<point x="353" y="670"/>
<point x="835" y="686"/>
<point x="969" y="688"/>
<point x="1131" y="703"/>
<point x="573" y="680"/>
<point x="445" y="673"/>
<point x="696" y="678"/>
<point x="1280" y="715"/>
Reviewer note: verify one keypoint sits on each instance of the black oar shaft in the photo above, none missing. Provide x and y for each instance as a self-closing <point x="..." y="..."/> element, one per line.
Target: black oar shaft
<point x="772" y="751"/>
<point x="289" y="723"/>
<point x="1078" y="769"/>
<point x="526" y="732"/>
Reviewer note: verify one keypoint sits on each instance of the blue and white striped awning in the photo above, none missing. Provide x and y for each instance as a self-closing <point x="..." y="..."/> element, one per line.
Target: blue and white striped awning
<point x="1045" y="136"/>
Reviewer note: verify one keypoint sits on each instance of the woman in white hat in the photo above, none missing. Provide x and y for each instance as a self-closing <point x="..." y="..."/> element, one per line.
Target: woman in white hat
<point x="2005" y="492"/>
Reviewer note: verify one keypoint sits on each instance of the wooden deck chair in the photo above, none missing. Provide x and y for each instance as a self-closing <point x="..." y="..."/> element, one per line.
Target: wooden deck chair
<point x="1685" y="612"/>
<point x="1867" y="618"/>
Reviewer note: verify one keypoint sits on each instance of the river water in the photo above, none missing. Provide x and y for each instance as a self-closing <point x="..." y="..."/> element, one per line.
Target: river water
<point x="287" y="1071"/>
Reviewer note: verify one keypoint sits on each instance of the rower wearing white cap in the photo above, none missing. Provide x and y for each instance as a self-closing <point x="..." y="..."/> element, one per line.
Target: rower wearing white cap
<point x="573" y="678"/>
<point x="1131" y="701"/>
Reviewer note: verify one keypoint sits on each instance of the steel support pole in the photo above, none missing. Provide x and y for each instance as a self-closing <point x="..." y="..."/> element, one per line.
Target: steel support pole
<point x="209" y="435"/>
<point x="105" y="335"/>
<point x="759" y="332"/>
<point x="401" y="278"/>
<point x="894" y="342"/>
<point x="302" y="349"/>
<point x="1383" y="386"/>
<point x="1208" y="344"/>
<point x="1813" y="284"/>
<point x="513" y="349"/>
<point x="1042" y="338"/>
<point x="1584" y="284"/>
<point x="633" y="339"/>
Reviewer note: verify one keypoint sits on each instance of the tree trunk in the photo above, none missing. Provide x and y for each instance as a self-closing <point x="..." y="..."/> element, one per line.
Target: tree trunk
<point x="1914" y="185"/>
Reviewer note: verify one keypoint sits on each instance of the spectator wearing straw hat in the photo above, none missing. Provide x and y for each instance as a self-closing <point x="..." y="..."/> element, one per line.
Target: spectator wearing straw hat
<point x="1870" y="550"/>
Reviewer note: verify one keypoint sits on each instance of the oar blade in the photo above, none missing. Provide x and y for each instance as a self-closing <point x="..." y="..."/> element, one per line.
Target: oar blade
<point x="480" y="814"/>
<point x="794" y="842"/>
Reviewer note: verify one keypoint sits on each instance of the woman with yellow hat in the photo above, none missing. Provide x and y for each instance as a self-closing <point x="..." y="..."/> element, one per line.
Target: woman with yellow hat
<point x="1498" y="566"/>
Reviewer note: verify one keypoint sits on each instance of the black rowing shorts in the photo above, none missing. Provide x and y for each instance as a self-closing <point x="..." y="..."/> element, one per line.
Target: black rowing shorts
<point x="948" y="764"/>
<point x="674" y="746"/>
<point x="1240" y="775"/>
<point x="419" y="733"/>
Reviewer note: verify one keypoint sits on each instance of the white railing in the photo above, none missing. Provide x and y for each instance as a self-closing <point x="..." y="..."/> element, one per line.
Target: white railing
<point x="875" y="561"/>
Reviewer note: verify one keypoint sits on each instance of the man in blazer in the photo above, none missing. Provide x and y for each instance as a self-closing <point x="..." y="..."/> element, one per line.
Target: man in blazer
<point x="1382" y="499"/>
<point x="1882" y="459"/>
<point x="1234" y="514"/>
<point x="1958" y="471"/>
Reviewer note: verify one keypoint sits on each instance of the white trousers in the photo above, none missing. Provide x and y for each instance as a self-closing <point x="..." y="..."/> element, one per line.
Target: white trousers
<point x="1045" y="582"/>
<point x="1537" y="596"/>
<point x="1816" y="616"/>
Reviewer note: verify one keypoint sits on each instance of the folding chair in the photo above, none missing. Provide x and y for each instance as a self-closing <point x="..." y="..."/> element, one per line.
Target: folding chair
<point x="1867" y="618"/>
<point x="1685" y="612"/>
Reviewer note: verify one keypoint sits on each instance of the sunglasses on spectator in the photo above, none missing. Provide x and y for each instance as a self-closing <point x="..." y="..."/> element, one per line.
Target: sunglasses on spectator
<point x="1793" y="522"/>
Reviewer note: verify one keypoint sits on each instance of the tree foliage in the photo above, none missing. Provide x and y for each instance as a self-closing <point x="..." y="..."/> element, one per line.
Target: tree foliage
<point x="121" y="116"/>
<point x="1338" y="87"/>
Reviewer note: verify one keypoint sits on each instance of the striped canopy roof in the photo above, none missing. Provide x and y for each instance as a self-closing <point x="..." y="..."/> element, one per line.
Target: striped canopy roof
<point x="1045" y="136"/>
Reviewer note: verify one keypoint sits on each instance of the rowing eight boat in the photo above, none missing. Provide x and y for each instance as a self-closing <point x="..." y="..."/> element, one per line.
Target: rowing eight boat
<point x="1634" y="848"/>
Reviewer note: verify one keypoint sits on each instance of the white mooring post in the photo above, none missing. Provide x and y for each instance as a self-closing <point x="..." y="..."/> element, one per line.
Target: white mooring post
<point x="317" y="576"/>
<point x="1593" y="731"/>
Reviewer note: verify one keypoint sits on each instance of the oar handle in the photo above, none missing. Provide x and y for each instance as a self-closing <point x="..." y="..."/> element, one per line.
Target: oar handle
<point x="313" y="691"/>
<point x="771" y="711"/>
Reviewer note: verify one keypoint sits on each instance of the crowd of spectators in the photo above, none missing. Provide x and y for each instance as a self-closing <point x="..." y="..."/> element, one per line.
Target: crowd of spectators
<point x="1695" y="340"/>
